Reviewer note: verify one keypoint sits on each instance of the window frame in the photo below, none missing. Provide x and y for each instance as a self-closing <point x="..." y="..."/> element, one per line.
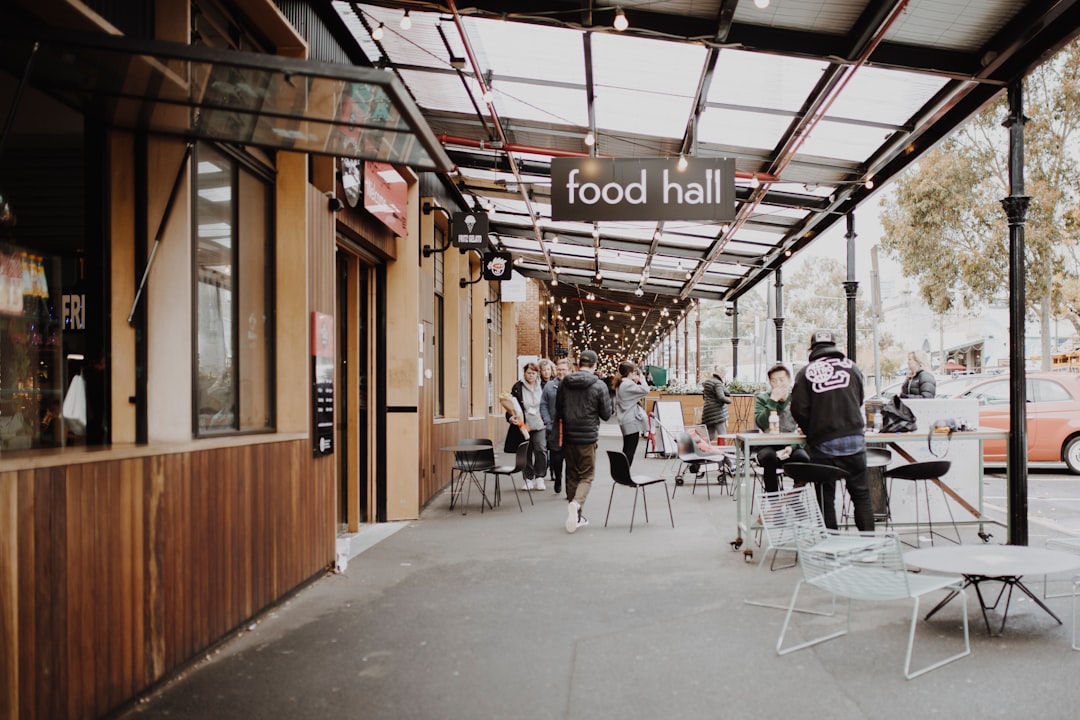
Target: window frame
<point x="240" y="162"/>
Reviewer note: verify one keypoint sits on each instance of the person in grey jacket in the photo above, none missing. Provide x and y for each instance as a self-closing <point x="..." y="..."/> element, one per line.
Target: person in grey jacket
<point x="581" y="402"/>
<point x="714" y="412"/>
<point x="630" y="390"/>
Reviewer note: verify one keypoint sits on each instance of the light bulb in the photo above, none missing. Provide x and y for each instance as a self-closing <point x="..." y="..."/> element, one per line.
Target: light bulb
<point x="761" y="4"/>
<point x="869" y="184"/>
<point x="639" y="292"/>
<point x="621" y="23"/>
<point x="406" y="21"/>
<point x="682" y="162"/>
<point x="590" y="139"/>
<point x="377" y="33"/>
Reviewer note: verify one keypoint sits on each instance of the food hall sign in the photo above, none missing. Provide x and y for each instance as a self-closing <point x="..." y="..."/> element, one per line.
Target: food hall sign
<point x="592" y="189"/>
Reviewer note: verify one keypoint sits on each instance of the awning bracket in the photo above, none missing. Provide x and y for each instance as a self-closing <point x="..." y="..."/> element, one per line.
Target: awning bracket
<point x="161" y="228"/>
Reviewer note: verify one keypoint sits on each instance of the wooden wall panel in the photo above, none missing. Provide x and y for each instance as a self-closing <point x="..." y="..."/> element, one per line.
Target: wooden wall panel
<point x="114" y="574"/>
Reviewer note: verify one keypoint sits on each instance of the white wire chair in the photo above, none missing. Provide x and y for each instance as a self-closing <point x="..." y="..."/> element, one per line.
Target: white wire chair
<point x="873" y="570"/>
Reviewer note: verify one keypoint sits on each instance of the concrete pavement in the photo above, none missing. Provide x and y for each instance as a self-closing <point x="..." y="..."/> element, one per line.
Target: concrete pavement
<point x="505" y="615"/>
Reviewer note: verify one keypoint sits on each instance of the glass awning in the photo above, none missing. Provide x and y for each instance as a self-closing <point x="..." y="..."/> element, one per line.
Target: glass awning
<point x="229" y="96"/>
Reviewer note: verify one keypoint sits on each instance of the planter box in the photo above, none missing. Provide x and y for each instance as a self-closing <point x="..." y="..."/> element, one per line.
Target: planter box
<point x="740" y="412"/>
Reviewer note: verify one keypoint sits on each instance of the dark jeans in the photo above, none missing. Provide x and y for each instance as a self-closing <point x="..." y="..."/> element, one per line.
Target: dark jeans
<point x="555" y="462"/>
<point x="768" y="461"/>
<point x="629" y="446"/>
<point x="857" y="488"/>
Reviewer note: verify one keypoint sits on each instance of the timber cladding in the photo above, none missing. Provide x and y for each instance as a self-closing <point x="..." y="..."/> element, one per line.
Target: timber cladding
<point x="114" y="574"/>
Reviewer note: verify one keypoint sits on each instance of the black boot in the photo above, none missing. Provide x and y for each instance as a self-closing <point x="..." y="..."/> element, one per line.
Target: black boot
<point x="558" y="485"/>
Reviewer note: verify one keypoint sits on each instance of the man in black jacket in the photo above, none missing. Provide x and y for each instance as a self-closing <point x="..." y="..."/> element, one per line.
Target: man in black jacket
<point x="581" y="402"/>
<point x="826" y="401"/>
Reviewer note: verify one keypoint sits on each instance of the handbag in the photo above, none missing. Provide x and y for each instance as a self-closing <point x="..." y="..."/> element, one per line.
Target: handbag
<point x="896" y="417"/>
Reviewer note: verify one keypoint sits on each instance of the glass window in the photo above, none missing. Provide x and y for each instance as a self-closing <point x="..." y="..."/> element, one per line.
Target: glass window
<point x="1049" y="391"/>
<point x="992" y="393"/>
<point x="233" y="309"/>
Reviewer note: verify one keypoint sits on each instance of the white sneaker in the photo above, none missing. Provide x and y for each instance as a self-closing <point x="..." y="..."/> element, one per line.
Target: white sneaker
<point x="582" y="521"/>
<point x="572" y="516"/>
<point x="528" y="485"/>
<point x="538" y="484"/>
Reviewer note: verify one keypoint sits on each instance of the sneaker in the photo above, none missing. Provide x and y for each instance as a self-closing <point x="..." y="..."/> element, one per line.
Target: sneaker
<point x="538" y="484"/>
<point x="582" y="521"/>
<point x="528" y="485"/>
<point x="572" y="516"/>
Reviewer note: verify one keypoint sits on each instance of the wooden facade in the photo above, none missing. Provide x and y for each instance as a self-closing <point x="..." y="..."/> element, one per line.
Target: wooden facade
<point x="115" y="573"/>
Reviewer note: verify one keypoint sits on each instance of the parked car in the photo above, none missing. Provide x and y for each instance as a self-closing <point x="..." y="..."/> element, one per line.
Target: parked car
<point x="1053" y="416"/>
<point x="946" y="386"/>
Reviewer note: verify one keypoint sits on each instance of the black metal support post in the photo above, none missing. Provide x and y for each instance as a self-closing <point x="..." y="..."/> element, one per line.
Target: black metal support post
<point x="1016" y="205"/>
<point x="734" y="338"/>
<point x="851" y="286"/>
<point x="779" y="319"/>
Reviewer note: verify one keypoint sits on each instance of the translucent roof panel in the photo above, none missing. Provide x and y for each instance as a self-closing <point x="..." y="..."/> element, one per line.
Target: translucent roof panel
<point x="754" y="80"/>
<point x="738" y="128"/>
<point x="844" y="141"/>
<point x="527" y="51"/>
<point x="636" y="90"/>
<point x="885" y="96"/>
<point x="541" y="103"/>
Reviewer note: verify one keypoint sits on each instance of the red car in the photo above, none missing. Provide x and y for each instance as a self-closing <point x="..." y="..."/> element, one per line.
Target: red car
<point x="1053" y="416"/>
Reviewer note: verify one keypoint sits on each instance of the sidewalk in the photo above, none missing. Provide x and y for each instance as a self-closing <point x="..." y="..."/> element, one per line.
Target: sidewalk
<point x="505" y="615"/>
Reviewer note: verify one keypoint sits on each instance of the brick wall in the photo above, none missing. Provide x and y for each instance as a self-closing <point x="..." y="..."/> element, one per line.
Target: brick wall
<point x="530" y="337"/>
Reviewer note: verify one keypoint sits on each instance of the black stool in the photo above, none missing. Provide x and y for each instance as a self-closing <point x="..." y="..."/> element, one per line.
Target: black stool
<point x="877" y="459"/>
<point x="925" y="472"/>
<point x="818" y="474"/>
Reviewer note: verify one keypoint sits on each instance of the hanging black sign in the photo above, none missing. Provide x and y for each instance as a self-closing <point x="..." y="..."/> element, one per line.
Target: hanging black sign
<point x="591" y="189"/>
<point x="498" y="266"/>
<point x="469" y="230"/>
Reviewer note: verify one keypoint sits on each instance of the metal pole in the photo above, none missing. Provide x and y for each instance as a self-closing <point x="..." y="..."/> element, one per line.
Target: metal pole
<point x="1016" y="205"/>
<point x="697" y="339"/>
<point x="734" y="338"/>
<point x="851" y="286"/>
<point x="779" y="319"/>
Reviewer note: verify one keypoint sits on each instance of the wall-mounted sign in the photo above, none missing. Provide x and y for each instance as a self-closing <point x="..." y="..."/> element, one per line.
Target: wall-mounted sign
<point x="351" y="179"/>
<point x="498" y="266"/>
<point x="469" y="230"/>
<point x="592" y="189"/>
<point x="322" y="398"/>
<point x="386" y="195"/>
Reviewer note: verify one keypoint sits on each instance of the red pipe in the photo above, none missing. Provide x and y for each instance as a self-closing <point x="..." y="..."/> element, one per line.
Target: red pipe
<point x="446" y="139"/>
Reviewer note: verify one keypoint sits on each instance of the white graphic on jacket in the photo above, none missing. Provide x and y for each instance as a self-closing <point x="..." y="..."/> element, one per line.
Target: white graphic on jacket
<point x="829" y="374"/>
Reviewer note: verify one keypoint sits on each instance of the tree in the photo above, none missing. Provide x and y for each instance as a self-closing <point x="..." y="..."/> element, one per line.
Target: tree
<point x="945" y="223"/>
<point x="815" y="298"/>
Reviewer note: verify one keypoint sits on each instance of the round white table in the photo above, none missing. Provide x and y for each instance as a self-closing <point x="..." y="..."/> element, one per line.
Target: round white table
<point x="1006" y="564"/>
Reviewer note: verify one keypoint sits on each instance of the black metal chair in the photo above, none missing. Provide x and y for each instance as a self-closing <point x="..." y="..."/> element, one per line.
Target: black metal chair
<point x="501" y="471"/>
<point x="924" y="472"/>
<point x="476" y="455"/>
<point x="620" y="473"/>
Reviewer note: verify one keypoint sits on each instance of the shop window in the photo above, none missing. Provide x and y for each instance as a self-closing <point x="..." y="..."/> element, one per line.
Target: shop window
<point x="233" y="306"/>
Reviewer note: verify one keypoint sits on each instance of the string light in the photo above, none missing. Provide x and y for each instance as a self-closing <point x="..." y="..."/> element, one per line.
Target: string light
<point x="378" y="33"/>
<point x="682" y="162"/>
<point x="761" y="4"/>
<point x="590" y="139"/>
<point x="406" y="21"/>
<point x="621" y="23"/>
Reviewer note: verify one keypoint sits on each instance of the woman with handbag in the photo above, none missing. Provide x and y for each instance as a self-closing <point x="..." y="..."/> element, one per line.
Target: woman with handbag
<point x="528" y="393"/>
<point x="920" y="382"/>
<point x="630" y="388"/>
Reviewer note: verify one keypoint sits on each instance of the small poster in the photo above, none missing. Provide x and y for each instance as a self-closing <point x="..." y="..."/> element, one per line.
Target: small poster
<point x="322" y="399"/>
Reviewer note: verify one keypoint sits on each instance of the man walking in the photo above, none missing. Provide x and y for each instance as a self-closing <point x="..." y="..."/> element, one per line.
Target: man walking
<point x="826" y="401"/>
<point x="547" y="411"/>
<point x="581" y="402"/>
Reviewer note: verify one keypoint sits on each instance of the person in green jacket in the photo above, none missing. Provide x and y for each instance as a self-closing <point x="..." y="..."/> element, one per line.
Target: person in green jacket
<point x="776" y="399"/>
